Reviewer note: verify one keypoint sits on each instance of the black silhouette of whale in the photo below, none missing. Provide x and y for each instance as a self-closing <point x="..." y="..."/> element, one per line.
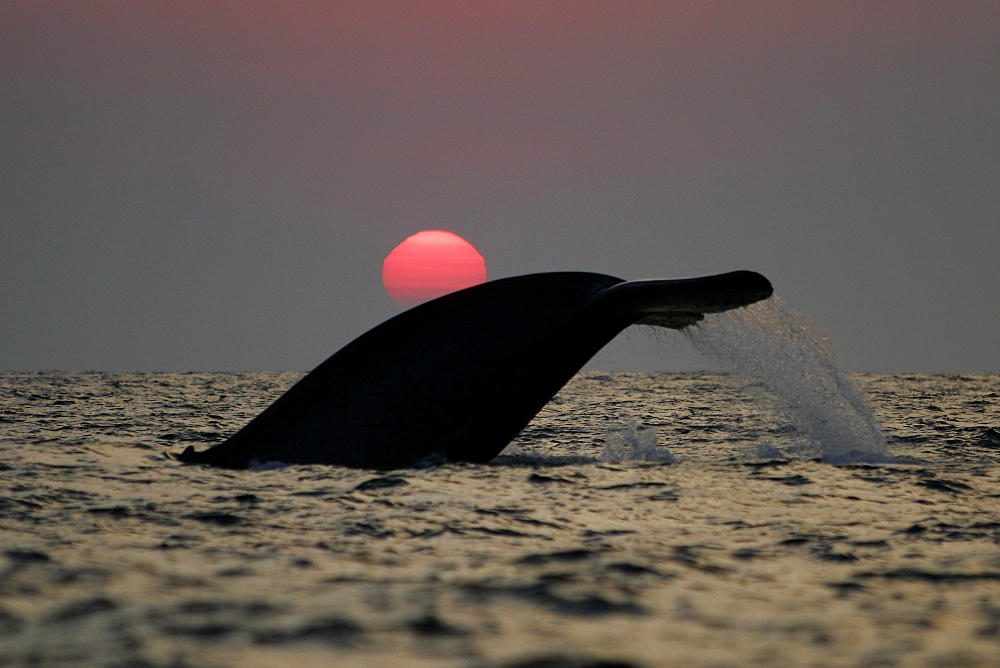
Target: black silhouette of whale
<point x="461" y="375"/>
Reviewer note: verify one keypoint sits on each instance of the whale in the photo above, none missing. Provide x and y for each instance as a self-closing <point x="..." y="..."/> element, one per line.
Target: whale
<point x="458" y="377"/>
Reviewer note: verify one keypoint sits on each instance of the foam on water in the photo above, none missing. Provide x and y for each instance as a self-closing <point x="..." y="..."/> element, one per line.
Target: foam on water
<point x="793" y="360"/>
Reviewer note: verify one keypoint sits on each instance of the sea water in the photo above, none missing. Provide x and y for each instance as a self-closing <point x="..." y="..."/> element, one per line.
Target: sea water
<point x="111" y="553"/>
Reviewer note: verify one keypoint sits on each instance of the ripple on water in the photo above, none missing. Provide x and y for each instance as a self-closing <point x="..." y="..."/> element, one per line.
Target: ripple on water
<point x="114" y="554"/>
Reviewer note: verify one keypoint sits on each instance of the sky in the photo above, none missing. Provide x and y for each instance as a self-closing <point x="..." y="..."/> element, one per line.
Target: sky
<point x="213" y="185"/>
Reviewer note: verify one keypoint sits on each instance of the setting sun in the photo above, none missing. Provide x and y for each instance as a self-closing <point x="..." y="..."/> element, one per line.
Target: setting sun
<point x="429" y="264"/>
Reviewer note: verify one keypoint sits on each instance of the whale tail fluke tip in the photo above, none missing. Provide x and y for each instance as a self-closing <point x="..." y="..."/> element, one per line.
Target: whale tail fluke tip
<point x="677" y="303"/>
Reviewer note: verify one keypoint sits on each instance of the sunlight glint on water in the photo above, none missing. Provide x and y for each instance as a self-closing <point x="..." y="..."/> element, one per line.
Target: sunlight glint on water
<point x="793" y="360"/>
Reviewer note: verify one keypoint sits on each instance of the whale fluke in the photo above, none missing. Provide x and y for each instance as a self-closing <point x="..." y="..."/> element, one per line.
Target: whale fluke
<point x="461" y="375"/>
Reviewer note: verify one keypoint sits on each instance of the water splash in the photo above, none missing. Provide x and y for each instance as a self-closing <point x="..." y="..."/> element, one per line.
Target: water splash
<point x="634" y="442"/>
<point x="793" y="360"/>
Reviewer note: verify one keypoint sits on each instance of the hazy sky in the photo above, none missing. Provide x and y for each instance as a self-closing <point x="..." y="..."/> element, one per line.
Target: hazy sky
<point x="213" y="185"/>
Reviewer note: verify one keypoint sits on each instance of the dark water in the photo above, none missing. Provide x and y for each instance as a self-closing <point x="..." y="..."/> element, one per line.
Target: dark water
<point x="746" y="550"/>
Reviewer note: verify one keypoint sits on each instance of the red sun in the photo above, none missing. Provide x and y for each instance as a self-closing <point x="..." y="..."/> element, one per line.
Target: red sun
<point x="429" y="264"/>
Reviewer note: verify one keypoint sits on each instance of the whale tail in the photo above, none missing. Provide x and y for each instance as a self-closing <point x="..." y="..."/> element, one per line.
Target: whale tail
<point x="461" y="375"/>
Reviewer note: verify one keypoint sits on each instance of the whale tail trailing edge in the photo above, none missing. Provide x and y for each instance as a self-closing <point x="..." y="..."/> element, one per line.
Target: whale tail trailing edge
<point x="461" y="375"/>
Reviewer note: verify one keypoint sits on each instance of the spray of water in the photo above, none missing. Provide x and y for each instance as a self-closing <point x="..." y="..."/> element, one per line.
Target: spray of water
<point x="791" y="358"/>
<point x="634" y="442"/>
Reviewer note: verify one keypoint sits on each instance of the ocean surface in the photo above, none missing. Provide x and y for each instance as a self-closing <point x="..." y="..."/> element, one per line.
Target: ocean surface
<point x="643" y="519"/>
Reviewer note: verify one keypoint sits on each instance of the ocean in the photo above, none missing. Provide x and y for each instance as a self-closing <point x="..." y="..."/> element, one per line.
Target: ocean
<point x="642" y="519"/>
